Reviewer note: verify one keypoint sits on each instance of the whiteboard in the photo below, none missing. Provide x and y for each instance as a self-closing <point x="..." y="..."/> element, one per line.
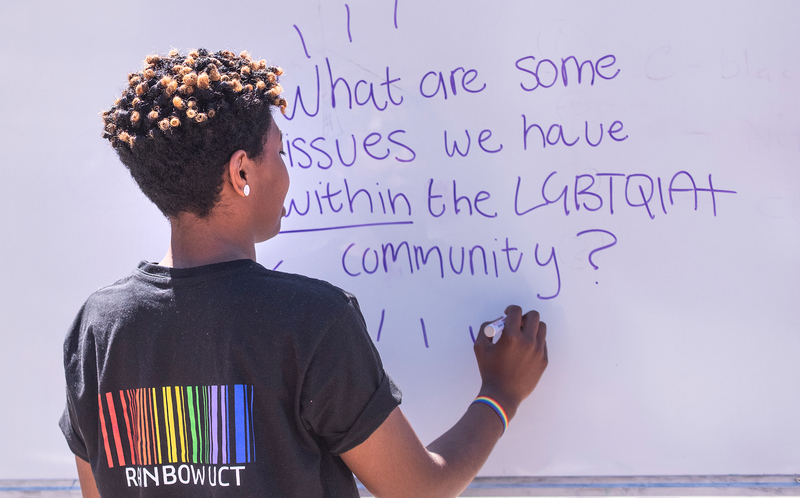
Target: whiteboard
<point x="632" y="173"/>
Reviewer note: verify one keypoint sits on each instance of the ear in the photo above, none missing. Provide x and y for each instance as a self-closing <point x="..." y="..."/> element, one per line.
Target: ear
<point x="239" y="166"/>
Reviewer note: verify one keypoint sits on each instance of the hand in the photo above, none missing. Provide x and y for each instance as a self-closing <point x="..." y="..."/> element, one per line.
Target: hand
<point x="393" y="461"/>
<point x="511" y="368"/>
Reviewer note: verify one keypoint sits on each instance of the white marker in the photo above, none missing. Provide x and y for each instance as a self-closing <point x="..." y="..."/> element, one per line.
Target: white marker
<point x="495" y="327"/>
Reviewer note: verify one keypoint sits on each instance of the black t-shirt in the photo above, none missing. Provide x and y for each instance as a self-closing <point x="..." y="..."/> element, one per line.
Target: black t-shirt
<point x="222" y="380"/>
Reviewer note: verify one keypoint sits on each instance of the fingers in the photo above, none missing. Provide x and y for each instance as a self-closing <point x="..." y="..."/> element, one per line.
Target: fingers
<point x="513" y="310"/>
<point x="530" y="325"/>
<point x="513" y="320"/>
<point x="541" y="336"/>
<point x="481" y="340"/>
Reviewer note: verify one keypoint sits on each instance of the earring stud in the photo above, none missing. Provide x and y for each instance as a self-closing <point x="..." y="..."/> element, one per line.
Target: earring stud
<point x="246" y="190"/>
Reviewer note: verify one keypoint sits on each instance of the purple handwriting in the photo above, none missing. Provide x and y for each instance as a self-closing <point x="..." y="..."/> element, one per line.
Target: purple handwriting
<point x="601" y="248"/>
<point x="380" y="326"/>
<point x="437" y="208"/>
<point x="551" y="138"/>
<point x="358" y="260"/>
<point x="302" y="41"/>
<point x="434" y="82"/>
<point x="349" y="36"/>
<point x="639" y="191"/>
<point x="545" y="72"/>
<point x="483" y="136"/>
<point x="535" y="192"/>
<point x="362" y="92"/>
<point x="446" y="83"/>
<point x="330" y="199"/>
<point x="322" y="153"/>
<point x="583" y="192"/>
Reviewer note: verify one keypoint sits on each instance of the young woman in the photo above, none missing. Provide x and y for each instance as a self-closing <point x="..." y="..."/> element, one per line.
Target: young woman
<point x="207" y="374"/>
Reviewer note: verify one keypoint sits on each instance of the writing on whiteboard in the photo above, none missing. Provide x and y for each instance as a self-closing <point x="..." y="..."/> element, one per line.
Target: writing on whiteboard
<point x="344" y="193"/>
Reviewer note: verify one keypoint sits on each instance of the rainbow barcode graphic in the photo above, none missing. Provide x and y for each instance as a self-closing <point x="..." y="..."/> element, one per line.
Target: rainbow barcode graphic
<point x="195" y="424"/>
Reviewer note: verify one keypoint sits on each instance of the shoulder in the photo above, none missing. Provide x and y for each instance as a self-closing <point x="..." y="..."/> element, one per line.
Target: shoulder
<point x="242" y="296"/>
<point x="243" y="280"/>
<point x="105" y="303"/>
<point x="300" y="287"/>
<point x="308" y="302"/>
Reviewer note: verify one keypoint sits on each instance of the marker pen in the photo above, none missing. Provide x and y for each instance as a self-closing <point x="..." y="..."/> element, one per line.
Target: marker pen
<point x="495" y="327"/>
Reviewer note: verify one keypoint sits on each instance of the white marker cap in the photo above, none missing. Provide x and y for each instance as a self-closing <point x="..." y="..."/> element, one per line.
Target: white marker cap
<point x="495" y="327"/>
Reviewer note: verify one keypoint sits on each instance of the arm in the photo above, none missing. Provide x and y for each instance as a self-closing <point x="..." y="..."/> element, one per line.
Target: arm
<point x="393" y="462"/>
<point x="88" y="486"/>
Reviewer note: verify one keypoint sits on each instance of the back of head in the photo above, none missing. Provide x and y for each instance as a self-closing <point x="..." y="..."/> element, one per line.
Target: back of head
<point x="180" y="119"/>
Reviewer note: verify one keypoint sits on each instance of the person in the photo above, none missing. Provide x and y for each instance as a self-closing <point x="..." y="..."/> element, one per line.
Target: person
<point x="209" y="375"/>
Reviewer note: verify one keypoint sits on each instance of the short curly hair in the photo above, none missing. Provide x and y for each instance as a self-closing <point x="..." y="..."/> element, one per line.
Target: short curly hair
<point x="180" y="119"/>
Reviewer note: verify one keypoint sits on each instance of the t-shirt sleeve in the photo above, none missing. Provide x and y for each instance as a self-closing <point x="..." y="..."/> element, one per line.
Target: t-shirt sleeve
<point x="73" y="437"/>
<point x="75" y="380"/>
<point x="346" y="393"/>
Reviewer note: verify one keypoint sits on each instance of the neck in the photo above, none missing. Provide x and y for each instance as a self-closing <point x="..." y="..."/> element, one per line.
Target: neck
<point x="203" y="241"/>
